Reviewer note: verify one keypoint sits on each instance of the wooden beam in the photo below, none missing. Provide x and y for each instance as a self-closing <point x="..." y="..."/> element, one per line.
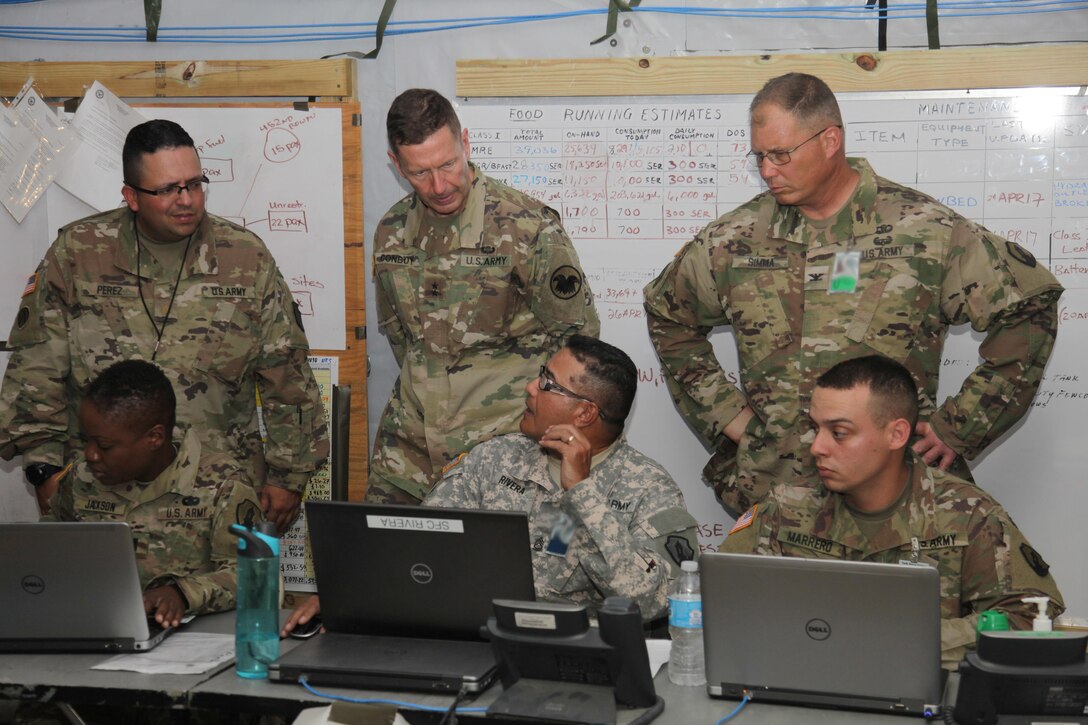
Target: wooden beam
<point x="905" y="70"/>
<point x="329" y="79"/>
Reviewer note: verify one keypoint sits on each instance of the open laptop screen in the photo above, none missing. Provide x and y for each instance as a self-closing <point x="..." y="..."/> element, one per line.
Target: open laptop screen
<point x="416" y="571"/>
<point x="71" y="587"/>
<point x="856" y="635"/>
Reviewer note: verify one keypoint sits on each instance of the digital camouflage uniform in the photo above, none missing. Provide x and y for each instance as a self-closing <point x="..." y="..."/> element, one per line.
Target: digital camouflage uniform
<point x="232" y="328"/>
<point x="764" y="269"/>
<point x="179" y="521"/>
<point x="632" y="529"/>
<point x="472" y="305"/>
<point x="983" y="559"/>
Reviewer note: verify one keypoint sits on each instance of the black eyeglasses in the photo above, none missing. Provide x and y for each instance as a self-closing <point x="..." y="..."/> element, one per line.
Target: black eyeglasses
<point x="781" y="158"/>
<point x="195" y="186"/>
<point x="548" y="384"/>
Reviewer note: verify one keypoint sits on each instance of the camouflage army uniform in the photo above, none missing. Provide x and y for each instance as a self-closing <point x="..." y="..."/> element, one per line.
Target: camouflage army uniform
<point x="983" y="559"/>
<point x="473" y="305"/>
<point x="764" y="269"/>
<point x="179" y="521"/>
<point x="631" y="525"/>
<point x="232" y="328"/>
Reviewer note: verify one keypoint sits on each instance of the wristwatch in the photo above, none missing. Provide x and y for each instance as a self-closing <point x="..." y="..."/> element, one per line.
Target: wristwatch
<point x="38" y="473"/>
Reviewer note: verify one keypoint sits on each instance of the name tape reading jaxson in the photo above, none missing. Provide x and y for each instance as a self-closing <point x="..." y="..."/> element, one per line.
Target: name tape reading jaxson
<point x="416" y="523"/>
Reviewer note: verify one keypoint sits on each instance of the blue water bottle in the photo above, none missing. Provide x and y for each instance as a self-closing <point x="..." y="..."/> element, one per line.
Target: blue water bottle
<point x="256" y="629"/>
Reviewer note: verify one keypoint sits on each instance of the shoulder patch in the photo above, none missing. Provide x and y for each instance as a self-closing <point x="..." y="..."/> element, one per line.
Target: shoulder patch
<point x="31" y="284"/>
<point x="247" y="514"/>
<point x="1034" y="560"/>
<point x="453" y="464"/>
<point x="566" y="282"/>
<point x="744" y="521"/>
<point x="679" y="548"/>
<point x="1020" y="254"/>
<point x="23" y="317"/>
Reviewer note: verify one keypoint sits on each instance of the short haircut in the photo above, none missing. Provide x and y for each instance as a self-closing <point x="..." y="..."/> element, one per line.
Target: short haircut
<point x="415" y="115"/>
<point x="147" y="138"/>
<point x="610" y="377"/>
<point x="807" y="98"/>
<point x="136" y="392"/>
<point x="894" y="394"/>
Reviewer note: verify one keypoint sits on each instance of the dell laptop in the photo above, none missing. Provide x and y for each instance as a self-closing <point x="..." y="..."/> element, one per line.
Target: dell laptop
<point x="824" y="633"/>
<point x="72" y="587"/>
<point x="404" y="593"/>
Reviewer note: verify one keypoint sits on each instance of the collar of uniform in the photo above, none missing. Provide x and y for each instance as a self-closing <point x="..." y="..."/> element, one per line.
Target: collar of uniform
<point x="200" y="260"/>
<point x="471" y="217"/>
<point x="178" y="477"/>
<point x="555" y="466"/>
<point x="907" y="521"/>
<point x="855" y="219"/>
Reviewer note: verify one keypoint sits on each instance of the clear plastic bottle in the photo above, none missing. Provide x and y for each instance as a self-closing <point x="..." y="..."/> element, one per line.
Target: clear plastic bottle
<point x="256" y="636"/>
<point x="686" y="664"/>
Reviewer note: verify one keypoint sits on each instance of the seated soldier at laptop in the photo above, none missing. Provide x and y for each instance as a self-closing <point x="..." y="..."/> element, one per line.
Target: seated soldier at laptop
<point x="178" y="498"/>
<point x="878" y="504"/>
<point x="604" y="520"/>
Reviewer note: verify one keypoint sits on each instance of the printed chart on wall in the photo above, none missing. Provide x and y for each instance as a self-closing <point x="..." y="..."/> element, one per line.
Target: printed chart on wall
<point x="636" y="180"/>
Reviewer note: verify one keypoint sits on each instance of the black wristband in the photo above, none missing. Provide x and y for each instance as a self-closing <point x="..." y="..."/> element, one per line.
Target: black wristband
<point x="38" y="473"/>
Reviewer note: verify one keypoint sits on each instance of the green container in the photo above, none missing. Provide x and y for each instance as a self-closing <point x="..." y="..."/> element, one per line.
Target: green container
<point x="993" y="621"/>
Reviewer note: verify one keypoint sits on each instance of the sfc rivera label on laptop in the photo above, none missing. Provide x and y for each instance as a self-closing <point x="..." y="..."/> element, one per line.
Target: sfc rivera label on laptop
<point x="416" y="523"/>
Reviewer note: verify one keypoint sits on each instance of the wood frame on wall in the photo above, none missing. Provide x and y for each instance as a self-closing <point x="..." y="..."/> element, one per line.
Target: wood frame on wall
<point x="903" y="70"/>
<point x="322" y="83"/>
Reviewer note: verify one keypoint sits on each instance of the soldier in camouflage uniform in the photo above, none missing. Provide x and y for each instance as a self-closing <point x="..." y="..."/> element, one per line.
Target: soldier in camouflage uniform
<point x="604" y="520"/>
<point x="162" y="280"/>
<point x="834" y="262"/>
<point x="877" y="504"/>
<point x="477" y="284"/>
<point x="179" y="498"/>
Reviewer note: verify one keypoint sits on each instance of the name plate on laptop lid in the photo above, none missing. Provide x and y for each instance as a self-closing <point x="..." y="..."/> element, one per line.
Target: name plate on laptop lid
<point x="416" y="523"/>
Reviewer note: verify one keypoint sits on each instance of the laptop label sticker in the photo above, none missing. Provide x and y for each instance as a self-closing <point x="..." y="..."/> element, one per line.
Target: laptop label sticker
<point x="416" y="523"/>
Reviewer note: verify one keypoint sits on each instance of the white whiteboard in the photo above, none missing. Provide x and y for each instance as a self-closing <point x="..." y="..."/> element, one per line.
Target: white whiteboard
<point x="276" y="171"/>
<point x="635" y="180"/>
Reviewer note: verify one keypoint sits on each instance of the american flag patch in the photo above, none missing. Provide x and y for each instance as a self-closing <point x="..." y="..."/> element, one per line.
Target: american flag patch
<point x="31" y="284"/>
<point x="745" y="520"/>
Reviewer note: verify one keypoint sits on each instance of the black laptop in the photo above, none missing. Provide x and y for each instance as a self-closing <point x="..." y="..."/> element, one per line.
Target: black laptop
<point x="404" y="592"/>
<point x="72" y="587"/>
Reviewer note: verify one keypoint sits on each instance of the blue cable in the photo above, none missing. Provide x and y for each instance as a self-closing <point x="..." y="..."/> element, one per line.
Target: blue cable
<point x="736" y="710"/>
<point x="325" y="32"/>
<point x="382" y="701"/>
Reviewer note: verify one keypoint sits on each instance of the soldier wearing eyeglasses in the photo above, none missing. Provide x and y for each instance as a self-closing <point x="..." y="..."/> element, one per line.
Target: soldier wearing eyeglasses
<point x="834" y="262"/>
<point x="160" y="279"/>
<point x="604" y="519"/>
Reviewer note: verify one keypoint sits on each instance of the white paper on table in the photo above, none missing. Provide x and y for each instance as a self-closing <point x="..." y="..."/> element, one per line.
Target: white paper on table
<point x="182" y="653"/>
<point x="658" y="650"/>
<point x="93" y="172"/>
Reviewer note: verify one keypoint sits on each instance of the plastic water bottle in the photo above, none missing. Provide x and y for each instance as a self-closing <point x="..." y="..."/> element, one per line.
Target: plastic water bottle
<point x="256" y="628"/>
<point x="686" y="663"/>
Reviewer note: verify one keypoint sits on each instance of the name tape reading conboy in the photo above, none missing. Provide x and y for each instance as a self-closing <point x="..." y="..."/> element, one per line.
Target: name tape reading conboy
<point x="416" y="523"/>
